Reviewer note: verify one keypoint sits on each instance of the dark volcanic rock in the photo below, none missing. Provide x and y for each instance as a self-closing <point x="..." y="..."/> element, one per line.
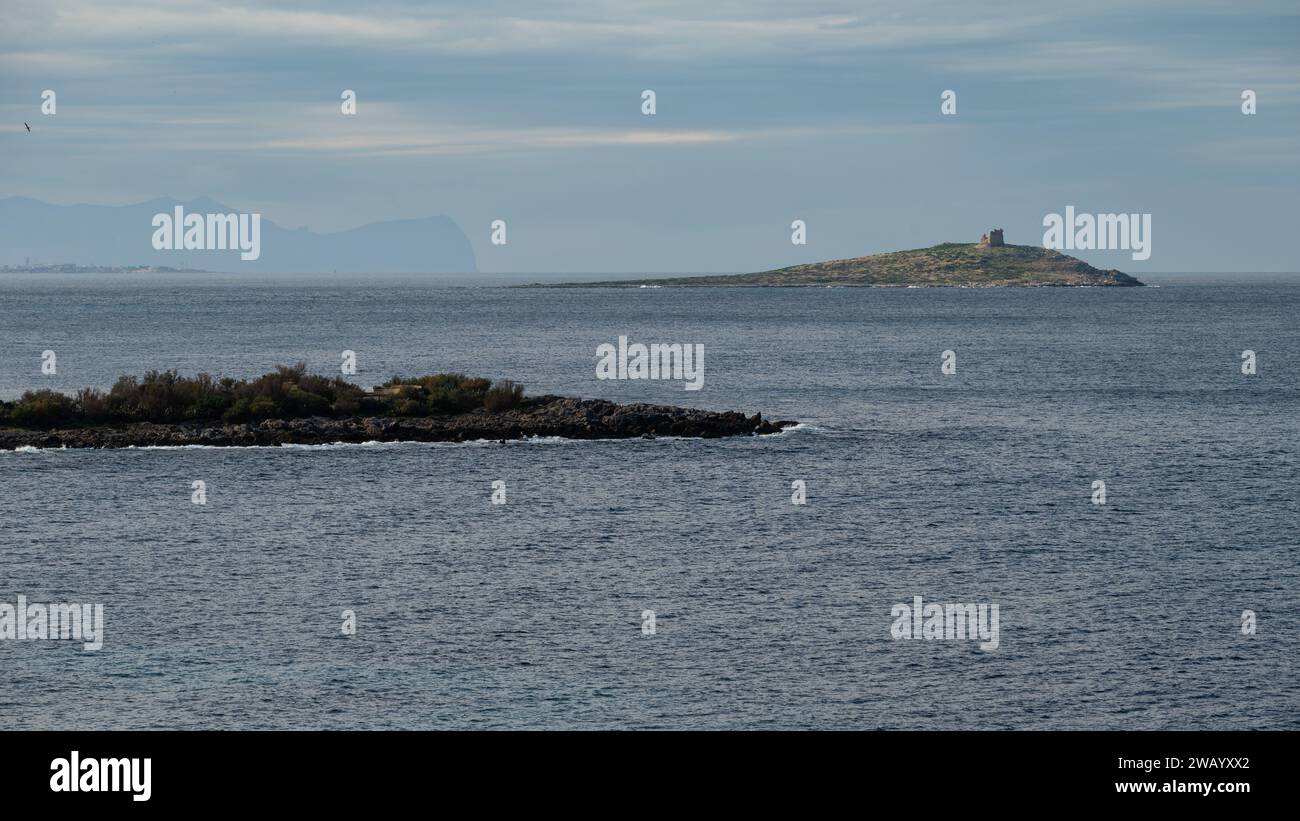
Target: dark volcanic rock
<point x="538" y="416"/>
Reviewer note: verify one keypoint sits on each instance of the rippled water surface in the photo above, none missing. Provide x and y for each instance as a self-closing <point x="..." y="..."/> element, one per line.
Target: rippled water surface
<point x="966" y="488"/>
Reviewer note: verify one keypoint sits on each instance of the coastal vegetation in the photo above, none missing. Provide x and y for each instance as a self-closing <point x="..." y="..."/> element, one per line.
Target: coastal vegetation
<point x="288" y="392"/>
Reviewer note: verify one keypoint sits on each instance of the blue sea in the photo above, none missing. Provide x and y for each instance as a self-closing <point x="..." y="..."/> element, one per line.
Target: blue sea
<point x="975" y="487"/>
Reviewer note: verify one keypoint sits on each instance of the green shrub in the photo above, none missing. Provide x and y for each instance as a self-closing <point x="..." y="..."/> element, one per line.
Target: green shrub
<point x="237" y="412"/>
<point x="503" y="395"/>
<point x="263" y="407"/>
<point x="43" y="409"/>
<point x="298" y="402"/>
<point x="209" y="407"/>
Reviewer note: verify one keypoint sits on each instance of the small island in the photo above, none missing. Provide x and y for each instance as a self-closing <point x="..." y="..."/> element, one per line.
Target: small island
<point x="291" y="406"/>
<point x="989" y="263"/>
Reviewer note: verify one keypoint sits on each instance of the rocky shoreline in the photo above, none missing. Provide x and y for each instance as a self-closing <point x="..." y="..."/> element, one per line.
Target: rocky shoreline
<point x="535" y="416"/>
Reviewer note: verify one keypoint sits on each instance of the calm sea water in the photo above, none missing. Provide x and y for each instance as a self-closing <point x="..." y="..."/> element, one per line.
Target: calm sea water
<point x="967" y="488"/>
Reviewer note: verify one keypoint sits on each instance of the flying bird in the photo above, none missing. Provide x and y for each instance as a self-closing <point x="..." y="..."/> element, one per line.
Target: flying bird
<point x="29" y="128"/>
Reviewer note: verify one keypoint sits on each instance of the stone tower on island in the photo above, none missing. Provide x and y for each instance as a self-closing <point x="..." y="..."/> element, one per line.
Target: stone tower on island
<point x="993" y="239"/>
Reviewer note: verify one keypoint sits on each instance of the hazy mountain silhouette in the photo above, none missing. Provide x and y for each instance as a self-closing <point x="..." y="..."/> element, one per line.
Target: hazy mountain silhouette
<point x="122" y="235"/>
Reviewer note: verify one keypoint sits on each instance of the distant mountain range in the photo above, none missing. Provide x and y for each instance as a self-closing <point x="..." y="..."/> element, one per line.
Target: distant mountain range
<point x="119" y="236"/>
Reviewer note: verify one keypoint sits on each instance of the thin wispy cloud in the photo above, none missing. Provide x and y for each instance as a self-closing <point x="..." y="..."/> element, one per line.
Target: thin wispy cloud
<point x="1184" y="79"/>
<point x="635" y="30"/>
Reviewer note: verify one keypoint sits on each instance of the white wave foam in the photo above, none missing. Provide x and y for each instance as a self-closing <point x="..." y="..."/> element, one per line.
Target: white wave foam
<point x="804" y="426"/>
<point x="375" y="443"/>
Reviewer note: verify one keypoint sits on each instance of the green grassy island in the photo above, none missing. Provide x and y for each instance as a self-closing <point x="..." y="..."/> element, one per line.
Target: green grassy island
<point x="984" y="264"/>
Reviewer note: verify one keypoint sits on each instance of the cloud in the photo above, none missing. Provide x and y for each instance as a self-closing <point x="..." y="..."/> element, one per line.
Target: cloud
<point x="56" y="62"/>
<point x="387" y="129"/>
<point x="1185" y="78"/>
<point x="629" y="30"/>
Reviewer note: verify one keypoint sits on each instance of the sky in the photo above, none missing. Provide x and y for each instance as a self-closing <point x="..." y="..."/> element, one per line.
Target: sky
<point x="766" y="113"/>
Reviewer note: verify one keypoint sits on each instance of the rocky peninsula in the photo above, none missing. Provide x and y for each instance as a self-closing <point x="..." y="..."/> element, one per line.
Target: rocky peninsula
<point x="292" y="407"/>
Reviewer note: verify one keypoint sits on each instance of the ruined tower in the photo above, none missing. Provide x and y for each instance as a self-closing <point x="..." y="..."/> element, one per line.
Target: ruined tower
<point x="993" y="239"/>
